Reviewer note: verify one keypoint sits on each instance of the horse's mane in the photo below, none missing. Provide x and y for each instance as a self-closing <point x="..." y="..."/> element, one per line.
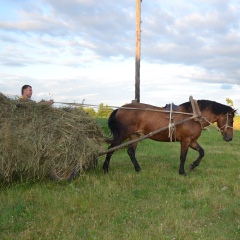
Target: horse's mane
<point x="215" y="107"/>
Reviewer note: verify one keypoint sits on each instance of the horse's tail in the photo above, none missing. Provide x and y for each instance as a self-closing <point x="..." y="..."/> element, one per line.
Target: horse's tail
<point x="115" y="128"/>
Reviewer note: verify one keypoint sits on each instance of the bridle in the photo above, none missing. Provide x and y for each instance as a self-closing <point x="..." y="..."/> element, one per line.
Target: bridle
<point x="224" y="128"/>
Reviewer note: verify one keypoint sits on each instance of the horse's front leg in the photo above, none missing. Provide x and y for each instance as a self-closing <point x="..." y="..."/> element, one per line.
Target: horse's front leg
<point x="197" y="147"/>
<point x="183" y="156"/>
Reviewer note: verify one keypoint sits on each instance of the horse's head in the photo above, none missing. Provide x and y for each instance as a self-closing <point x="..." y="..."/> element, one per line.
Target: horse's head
<point x="225" y="124"/>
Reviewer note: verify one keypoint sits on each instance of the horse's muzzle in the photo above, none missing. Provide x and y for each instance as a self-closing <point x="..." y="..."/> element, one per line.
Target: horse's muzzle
<point x="227" y="137"/>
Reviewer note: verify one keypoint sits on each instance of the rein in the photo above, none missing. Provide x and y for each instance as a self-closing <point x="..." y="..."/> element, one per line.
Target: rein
<point x="171" y="127"/>
<point x="196" y="114"/>
<point x="127" y="108"/>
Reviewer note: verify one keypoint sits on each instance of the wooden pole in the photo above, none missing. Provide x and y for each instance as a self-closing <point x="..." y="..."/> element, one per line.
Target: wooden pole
<point x="197" y="116"/>
<point x="138" y="50"/>
<point x="143" y="137"/>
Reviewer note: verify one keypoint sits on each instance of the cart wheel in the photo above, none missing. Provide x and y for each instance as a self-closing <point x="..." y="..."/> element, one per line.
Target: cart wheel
<point x="92" y="165"/>
<point x="60" y="174"/>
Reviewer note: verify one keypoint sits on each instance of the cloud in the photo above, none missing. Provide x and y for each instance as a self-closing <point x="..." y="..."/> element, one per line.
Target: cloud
<point x="85" y="49"/>
<point x="192" y="36"/>
<point x="204" y="38"/>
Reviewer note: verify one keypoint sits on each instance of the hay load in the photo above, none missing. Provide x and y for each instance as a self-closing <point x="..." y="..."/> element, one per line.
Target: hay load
<point x="37" y="139"/>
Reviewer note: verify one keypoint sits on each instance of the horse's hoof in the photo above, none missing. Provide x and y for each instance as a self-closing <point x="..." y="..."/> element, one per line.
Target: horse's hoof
<point x="183" y="174"/>
<point x="138" y="169"/>
<point x="190" y="167"/>
<point x="105" y="170"/>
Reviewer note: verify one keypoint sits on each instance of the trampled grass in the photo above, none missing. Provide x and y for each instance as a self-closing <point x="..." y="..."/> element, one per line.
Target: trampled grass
<point x="156" y="203"/>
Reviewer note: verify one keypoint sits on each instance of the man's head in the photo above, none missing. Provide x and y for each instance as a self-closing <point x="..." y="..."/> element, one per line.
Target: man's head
<point x="27" y="91"/>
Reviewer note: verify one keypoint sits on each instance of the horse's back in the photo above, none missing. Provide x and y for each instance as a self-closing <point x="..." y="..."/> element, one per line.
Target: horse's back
<point x="145" y="118"/>
<point x="139" y="106"/>
<point x="142" y="118"/>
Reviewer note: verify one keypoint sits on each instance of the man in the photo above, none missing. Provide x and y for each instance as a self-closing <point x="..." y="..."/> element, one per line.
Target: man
<point x="27" y="94"/>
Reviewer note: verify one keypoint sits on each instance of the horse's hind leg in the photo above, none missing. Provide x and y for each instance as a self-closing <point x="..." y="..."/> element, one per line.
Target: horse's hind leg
<point x="197" y="147"/>
<point x="183" y="156"/>
<point x="131" y="152"/>
<point x="107" y="160"/>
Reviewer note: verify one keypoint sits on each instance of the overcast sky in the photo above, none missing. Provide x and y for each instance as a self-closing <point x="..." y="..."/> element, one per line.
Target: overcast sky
<point x="85" y="49"/>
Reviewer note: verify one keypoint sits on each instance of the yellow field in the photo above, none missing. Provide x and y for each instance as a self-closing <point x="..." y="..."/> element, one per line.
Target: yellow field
<point x="236" y="124"/>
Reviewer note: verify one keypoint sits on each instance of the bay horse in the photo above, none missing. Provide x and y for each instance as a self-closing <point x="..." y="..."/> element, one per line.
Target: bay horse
<point x="136" y="119"/>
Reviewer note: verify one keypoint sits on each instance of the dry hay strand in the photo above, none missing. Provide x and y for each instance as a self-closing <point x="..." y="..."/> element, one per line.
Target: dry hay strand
<point x="37" y="139"/>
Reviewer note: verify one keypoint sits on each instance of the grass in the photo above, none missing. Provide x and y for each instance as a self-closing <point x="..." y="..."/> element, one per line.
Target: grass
<point x="156" y="203"/>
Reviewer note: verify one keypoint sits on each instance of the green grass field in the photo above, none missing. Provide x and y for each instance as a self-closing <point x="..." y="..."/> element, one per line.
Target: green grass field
<point x="156" y="203"/>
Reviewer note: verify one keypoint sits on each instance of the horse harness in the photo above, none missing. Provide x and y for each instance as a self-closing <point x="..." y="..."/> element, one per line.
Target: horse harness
<point x="171" y="126"/>
<point x="226" y="126"/>
<point x="196" y="115"/>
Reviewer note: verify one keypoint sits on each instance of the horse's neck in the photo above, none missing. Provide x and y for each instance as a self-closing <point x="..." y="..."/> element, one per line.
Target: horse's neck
<point x="209" y="117"/>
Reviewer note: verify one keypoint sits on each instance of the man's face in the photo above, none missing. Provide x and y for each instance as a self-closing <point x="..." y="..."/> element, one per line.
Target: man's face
<point x="28" y="91"/>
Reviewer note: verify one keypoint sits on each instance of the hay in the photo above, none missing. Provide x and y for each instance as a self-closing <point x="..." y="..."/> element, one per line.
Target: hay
<point x="38" y="139"/>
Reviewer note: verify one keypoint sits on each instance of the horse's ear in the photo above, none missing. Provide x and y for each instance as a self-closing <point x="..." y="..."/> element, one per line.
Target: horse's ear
<point x="234" y="111"/>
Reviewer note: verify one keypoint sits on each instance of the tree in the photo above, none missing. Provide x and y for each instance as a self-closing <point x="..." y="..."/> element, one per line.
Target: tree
<point x="104" y="111"/>
<point x="229" y="102"/>
<point x="90" y="111"/>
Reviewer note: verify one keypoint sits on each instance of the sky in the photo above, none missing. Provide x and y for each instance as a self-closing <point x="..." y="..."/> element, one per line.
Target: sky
<point x="84" y="50"/>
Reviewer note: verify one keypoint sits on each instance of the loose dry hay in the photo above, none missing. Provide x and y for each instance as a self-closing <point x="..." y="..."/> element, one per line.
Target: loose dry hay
<point x="38" y="139"/>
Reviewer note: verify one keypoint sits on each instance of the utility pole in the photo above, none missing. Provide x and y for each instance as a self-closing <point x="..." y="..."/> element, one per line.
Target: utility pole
<point x="138" y="50"/>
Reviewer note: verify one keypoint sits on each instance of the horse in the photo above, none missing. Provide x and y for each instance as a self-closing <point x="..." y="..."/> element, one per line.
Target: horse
<point x="134" y="120"/>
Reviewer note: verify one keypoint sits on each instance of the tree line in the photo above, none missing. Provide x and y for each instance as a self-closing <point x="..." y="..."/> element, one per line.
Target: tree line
<point x="103" y="111"/>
